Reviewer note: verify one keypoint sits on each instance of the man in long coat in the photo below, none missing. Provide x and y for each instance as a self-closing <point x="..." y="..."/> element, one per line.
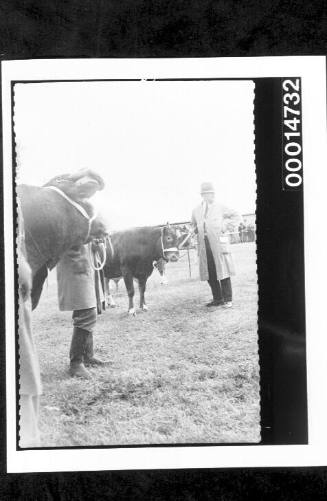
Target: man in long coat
<point x="76" y="293"/>
<point x="215" y="259"/>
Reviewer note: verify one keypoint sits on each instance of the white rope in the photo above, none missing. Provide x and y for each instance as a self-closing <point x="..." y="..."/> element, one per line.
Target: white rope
<point x="169" y="249"/>
<point x="72" y="202"/>
<point x="97" y="257"/>
<point x="162" y="246"/>
<point x="108" y="239"/>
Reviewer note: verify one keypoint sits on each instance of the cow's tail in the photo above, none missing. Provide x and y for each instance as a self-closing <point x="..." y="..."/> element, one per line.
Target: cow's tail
<point x="37" y="286"/>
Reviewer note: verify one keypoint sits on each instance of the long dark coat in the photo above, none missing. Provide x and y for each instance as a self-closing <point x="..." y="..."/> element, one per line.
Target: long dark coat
<point x="75" y="277"/>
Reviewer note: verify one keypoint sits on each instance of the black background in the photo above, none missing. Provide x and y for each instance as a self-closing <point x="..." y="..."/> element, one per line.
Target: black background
<point x="280" y="265"/>
<point x="191" y="28"/>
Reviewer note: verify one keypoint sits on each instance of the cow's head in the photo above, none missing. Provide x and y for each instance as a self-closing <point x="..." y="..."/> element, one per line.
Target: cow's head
<point x="79" y="186"/>
<point x="98" y="230"/>
<point x="169" y="240"/>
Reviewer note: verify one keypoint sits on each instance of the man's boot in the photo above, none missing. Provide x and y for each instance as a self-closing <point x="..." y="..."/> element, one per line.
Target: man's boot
<point x="215" y="302"/>
<point x="76" y="354"/>
<point x="217" y="299"/>
<point x="89" y="358"/>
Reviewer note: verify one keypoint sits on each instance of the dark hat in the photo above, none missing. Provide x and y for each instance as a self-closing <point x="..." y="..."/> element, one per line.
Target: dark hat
<point x="207" y="188"/>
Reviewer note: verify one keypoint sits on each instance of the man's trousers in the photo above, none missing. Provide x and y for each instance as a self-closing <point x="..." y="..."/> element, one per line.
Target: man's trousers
<point x="221" y="289"/>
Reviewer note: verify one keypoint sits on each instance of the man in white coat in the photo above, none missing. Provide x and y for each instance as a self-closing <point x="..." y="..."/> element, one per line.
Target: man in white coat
<point x="215" y="259"/>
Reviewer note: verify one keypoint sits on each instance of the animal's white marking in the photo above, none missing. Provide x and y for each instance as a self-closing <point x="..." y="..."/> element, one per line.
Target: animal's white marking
<point x="85" y="180"/>
<point x="145" y="308"/>
<point x="132" y="312"/>
<point x="111" y="301"/>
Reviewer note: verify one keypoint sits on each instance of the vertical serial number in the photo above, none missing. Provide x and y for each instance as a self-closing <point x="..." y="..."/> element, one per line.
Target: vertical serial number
<point x="292" y="134"/>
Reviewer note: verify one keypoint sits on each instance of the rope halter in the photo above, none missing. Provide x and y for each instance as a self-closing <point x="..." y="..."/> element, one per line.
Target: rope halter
<point x="95" y="259"/>
<point x="73" y="203"/>
<point x="168" y="249"/>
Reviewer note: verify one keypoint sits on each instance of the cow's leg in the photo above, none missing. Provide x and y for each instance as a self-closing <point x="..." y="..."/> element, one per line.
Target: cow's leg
<point x="142" y="285"/>
<point x="109" y="299"/>
<point x="103" y="302"/>
<point x="163" y="280"/>
<point x="128" y="279"/>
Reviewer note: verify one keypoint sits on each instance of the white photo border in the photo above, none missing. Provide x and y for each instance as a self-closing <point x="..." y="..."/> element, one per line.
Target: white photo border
<point x="312" y="72"/>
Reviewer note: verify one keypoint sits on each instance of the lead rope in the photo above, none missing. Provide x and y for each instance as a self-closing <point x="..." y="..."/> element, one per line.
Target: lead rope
<point x="108" y="239"/>
<point x="96" y="257"/>
<point x="162" y="246"/>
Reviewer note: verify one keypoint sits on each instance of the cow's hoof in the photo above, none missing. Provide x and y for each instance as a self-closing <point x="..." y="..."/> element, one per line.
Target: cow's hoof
<point x="132" y="312"/>
<point x="144" y="307"/>
<point x="110" y="302"/>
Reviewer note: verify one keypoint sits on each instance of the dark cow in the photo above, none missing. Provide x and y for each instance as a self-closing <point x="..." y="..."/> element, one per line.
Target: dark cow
<point x="131" y="253"/>
<point x="55" y="221"/>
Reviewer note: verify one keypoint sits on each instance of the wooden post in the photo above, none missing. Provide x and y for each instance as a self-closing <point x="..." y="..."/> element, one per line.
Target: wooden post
<point x="101" y="273"/>
<point x="189" y="263"/>
<point x="97" y="291"/>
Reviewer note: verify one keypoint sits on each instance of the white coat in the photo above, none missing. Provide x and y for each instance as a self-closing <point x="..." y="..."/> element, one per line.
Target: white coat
<point x="215" y="227"/>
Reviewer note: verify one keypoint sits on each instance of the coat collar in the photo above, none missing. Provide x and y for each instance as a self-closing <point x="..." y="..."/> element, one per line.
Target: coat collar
<point x="210" y="208"/>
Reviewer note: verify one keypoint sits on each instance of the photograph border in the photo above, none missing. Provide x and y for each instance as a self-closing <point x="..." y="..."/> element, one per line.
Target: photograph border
<point x="14" y="168"/>
<point x="270" y="346"/>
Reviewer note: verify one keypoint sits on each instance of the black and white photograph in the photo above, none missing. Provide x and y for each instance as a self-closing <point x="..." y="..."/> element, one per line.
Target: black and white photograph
<point x="145" y="306"/>
<point x="138" y="258"/>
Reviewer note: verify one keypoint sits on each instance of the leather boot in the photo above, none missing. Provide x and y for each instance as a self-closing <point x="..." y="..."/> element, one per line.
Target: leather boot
<point x="215" y="302"/>
<point x="76" y="354"/>
<point x="89" y="358"/>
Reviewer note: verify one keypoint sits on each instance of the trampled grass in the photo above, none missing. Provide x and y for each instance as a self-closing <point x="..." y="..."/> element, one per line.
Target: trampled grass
<point x="179" y="373"/>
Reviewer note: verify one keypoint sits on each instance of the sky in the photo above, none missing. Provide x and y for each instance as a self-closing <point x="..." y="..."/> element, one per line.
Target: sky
<point x="153" y="143"/>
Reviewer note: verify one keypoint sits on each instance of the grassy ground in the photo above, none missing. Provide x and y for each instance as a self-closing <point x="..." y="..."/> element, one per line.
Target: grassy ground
<point x="179" y="373"/>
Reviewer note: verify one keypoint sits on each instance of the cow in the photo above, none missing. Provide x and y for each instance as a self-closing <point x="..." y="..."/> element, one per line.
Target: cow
<point x="131" y="253"/>
<point x="184" y="241"/>
<point x="57" y="217"/>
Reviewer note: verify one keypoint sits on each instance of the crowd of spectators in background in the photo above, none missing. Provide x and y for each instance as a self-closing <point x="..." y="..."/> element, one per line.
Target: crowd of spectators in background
<point x="246" y="232"/>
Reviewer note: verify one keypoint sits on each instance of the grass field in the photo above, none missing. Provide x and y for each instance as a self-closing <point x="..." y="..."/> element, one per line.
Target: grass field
<point x="179" y="373"/>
